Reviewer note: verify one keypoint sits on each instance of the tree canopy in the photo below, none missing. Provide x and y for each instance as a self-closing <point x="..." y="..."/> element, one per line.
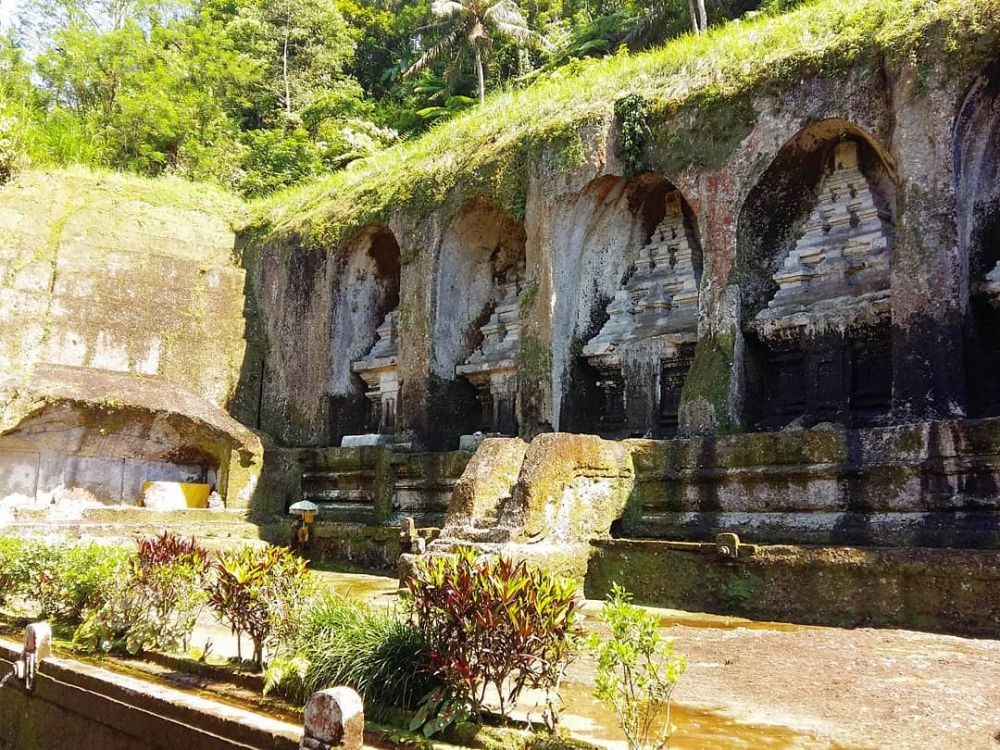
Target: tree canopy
<point x="258" y="95"/>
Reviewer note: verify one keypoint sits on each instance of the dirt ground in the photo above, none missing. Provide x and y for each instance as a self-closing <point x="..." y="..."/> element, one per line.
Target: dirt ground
<point x="833" y="687"/>
<point x="773" y="685"/>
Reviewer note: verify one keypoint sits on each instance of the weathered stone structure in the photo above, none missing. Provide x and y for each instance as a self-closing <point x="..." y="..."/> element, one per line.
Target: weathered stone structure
<point x="123" y="344"/>
<point x="644" y="350"/>
<point x="785" y="326"/>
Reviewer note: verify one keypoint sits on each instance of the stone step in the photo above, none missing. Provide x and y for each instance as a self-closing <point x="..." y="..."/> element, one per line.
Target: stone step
<point x="475" y="534"/>
<point x="347" y="512"/>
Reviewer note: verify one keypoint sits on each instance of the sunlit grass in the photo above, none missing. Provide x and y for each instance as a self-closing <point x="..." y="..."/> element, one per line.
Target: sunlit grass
<point x="88" y="184"/>
<point x="824" y="35"/>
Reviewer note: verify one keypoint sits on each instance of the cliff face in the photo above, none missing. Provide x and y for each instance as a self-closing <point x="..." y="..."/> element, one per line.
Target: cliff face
<point x="831" y="269"/>
<point x="123" y="339"/>
<point x="122" y="275"/>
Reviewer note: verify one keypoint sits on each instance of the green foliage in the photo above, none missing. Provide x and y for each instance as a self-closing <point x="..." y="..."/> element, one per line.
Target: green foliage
<point x="490" y="148"/>
<point x="156" y="605"/>
<point x="71" y="579"/>
<point x="14" y="573"/>
<point x="344" y="642"/>
<point x="637" y="670"/>
<point x="260" y="592"/>
<point x="492" y="623"/>
<point x="154" y="608"/>
<point x="632" y="115"/>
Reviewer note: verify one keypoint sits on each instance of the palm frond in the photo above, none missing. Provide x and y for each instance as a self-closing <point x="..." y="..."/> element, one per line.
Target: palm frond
<point x="656" y="16"/>
<point x="505" y="11"/>
<point x="446" y="8"/>
<point x="447" y="44"/>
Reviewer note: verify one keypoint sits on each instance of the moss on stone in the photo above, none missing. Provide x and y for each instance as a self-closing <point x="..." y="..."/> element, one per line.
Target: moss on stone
<point x="933" y="589"/>
<point x="707" y="386"/>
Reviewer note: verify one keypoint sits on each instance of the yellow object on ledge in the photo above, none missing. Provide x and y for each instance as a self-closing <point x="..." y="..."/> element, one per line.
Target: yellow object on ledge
<point x="174" y="495"/>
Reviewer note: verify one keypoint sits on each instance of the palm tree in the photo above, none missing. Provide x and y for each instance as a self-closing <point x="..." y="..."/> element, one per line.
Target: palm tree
<point x="473" y="24"/>
<point x="659" y="12"/>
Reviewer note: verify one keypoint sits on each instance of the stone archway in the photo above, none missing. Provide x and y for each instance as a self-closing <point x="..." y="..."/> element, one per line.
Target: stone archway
<point x="632" y="315"/>
<point x="814" y="245"/>
<point x="363" y="351"/>
<point x="479" y="277"/>
<point x="977" y="190"/>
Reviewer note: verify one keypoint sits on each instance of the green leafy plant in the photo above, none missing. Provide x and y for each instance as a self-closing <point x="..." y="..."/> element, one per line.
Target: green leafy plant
<point x="71" y="579"/>
<point x="260" y="592"/>
<point x="632" y="114"/>
<point x="344" y="642"/>
<point x="491" y="623"/>
<point x="637" y="670"/>
<point x="13" y="575"/>
<point x="156" y="605"/>
<point x="155" y="608"/>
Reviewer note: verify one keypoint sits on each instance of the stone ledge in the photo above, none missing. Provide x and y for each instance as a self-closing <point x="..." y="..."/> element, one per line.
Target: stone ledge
<point x="149" y="714"/>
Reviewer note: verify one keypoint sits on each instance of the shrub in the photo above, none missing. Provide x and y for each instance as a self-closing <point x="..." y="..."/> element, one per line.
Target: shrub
<point x="68" y="579"/>
<point x="156" y="605"/>
<point x="637" y="670"/>
<point x="260" y="592"/>
<point x="13" y="573"/>
<point x="343" y="642"/>
<point x="491" y="622"/>
<point x="152" y="552"/>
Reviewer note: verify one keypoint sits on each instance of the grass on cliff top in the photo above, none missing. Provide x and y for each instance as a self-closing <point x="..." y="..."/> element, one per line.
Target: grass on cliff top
<point x="89" y="185"/>
<point x="485" y="150"/>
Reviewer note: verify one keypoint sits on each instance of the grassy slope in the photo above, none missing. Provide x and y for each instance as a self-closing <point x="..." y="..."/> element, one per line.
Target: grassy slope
<point x="486" y="150"/>
<point x="90" y="185"/>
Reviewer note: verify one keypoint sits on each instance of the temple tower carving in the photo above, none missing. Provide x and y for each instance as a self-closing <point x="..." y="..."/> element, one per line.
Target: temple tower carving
<point x="644" y="349"/>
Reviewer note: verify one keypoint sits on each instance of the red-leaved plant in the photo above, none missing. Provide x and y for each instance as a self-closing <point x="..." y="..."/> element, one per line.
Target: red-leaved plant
<point x="167" y="549"/>
<point x="491" y="623"/>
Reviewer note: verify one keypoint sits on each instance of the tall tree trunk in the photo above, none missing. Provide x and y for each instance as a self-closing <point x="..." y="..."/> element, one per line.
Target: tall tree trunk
<point x="703" y="16"/>
<point x="479" y="74"/>
<point x="284" y="70"/>
<point x="694" y="17"/>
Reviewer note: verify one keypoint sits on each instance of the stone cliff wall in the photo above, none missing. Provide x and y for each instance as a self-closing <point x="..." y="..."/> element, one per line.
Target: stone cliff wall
<point x="103" y="272"/>
<point x="830" y="260"/>
<point x="123" y="339"/>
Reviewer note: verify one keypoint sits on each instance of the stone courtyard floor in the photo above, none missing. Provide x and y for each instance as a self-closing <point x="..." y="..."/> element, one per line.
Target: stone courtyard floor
<point x="773" y="685"/>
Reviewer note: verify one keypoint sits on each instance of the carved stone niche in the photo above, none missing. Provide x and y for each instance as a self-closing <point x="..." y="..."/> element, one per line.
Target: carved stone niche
<point x="983" y="349"/>
<point x="379" y="370"/>
<point x="825" y="333"/>
<point x="838" y="269"/>
<point x="643" y="351"/>
<point x="492" y="367"/>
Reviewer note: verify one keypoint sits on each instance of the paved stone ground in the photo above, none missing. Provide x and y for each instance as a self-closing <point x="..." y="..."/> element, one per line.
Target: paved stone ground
<point x="774" y="685"/>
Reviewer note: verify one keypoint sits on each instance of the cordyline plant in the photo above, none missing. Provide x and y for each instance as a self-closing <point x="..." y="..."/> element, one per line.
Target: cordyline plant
<point x="490" y="623"/>
<point x="260" y="592"/>
<point x="169" y="548"/>
<point x="637" y="670"/>
<point x="156" y="605"/>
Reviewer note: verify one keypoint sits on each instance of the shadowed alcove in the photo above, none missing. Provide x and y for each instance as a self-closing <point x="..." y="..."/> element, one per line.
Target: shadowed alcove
<point x="814" y="247"/>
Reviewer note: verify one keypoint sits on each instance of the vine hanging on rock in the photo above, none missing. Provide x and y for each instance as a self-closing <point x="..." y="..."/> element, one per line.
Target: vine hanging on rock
<point x="632" y="114"/>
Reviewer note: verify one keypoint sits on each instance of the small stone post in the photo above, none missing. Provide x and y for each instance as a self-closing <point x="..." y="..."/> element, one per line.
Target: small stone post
<point x="334" y="718"/>
<point x="38" y="640"/>
<point x="37" y="646"/>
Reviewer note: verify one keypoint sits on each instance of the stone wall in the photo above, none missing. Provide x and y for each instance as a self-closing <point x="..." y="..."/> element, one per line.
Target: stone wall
<point x="938" y="590"/>
<point x="818" y="248"/>
<point x="123" y="340"/>
<point x="84" y="707"/>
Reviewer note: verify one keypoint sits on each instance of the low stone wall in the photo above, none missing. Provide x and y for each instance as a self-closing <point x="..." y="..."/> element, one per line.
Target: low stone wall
<point x="952" y="591"/>
<point x="930" y="484"/>
<point x="74" y="705"/>
<point x="376" y="485"/>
